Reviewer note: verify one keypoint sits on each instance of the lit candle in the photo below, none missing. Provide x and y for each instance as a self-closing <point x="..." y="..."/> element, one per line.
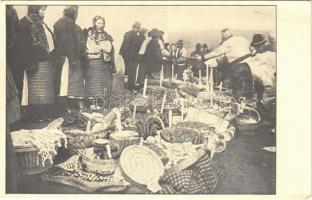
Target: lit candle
<point x="220" y="87"/>
<point x="163" y="103"/>
<point x="109" y="151"/>
<point x="136" y="74"/>
<point x="199" y="77"/>
<point x="144" y="89"/>
<point x="134" y="111"/>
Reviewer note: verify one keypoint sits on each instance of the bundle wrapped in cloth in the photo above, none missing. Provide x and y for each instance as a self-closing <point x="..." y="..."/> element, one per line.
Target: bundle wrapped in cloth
<point x="200" y="178"/>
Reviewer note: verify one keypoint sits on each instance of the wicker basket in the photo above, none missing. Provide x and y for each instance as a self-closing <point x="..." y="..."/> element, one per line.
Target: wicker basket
<point x="248" y="128"/>
<point x="79" y="140"/>
<point x="99" y="165"/>
<point x="29" y="161"/>
<point x="123" y="142"/>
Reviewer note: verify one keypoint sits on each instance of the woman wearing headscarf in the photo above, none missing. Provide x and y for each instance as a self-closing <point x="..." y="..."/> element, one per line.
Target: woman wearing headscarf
<point x="100" y="62"/>
<point x="36" y="45"/>
<point x="152" y="57"/>
<point x="69" y="72"/>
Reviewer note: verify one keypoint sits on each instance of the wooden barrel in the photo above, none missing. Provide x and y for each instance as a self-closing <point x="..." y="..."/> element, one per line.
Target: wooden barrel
<point x="98" y="77"/>
<point x="41" y="84"/>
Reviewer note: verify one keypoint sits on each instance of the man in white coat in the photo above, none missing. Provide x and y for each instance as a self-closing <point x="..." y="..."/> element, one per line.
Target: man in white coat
<point x="231" y="50"/>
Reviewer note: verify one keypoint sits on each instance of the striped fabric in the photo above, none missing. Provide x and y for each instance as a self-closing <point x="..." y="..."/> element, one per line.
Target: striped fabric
<point x="41" y="85"/>
<point x="98" y="76"/>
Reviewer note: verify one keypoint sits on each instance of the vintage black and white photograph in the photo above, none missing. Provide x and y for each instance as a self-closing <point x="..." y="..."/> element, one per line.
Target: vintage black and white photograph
<point x="141" y="99"/>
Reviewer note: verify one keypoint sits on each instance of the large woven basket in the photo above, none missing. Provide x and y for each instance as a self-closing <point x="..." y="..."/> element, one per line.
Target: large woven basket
<point x="80" y="140"/>
<point x="123" y="142"/>
<point x="29" y="161"/>
<point x="99" y="165"/>
<point x="248" y="128"/>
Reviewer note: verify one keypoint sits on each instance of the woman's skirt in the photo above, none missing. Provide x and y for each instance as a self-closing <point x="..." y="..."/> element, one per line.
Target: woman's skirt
<point x="98" y="78"/>
<point x="41" y="85"/>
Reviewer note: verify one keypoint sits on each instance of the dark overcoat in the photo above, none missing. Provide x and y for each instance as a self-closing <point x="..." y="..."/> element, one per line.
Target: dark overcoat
<point x="152" y="57"/>
<point x="69" y="35"/>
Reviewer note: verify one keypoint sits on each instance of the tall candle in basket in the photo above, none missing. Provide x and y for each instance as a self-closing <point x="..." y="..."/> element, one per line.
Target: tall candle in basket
<point x="199" y="77"/>
<point x="144" y="88"/>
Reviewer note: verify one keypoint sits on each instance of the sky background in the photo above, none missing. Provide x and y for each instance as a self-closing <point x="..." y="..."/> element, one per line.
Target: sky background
<point x="191" y="23"/>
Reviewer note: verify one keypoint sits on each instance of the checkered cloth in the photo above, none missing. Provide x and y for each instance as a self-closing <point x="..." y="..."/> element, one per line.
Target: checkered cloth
<point x="201" y="178"/>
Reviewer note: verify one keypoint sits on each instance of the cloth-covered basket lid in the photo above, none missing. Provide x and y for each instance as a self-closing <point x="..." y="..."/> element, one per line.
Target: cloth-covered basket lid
<point x="141" y="164"/>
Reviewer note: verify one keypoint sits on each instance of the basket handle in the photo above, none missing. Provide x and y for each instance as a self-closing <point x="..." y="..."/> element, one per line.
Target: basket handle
<point x="248" y="108"/>
<point x="95" y="101"/>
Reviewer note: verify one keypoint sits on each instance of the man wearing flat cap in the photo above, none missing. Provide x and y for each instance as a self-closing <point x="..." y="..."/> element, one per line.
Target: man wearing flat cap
<point x="129" y="51"/>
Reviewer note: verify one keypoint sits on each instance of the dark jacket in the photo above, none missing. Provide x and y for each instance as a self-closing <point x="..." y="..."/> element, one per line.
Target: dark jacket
<point x="12" y="27"/>
<point x="130" y="46"/>
<point x="153" y="56"/>
<point x="69" y="36"/>
<point x="29" y="49"/>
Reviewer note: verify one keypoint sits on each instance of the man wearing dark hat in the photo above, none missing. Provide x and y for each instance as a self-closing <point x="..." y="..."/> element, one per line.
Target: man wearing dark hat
<point x="205" y="49"/>
<point x="70" y="73"/>
<point x="258" y="43"/>
<point x="129" y="51"/>
<point x="263" y="66"/>
<point x="179" y="59"/>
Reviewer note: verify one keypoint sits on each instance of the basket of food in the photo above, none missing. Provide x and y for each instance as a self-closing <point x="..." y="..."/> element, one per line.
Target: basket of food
<point x="149" y="126"/>
<point x="79" y="140"/>
<point x="98" y="126"/>
<point x="36" y="149"/>
<point x="247" y="121"/>
<point x="122" y="139"/>
<point x="181" y="135"/>
<point x="140" y="104"/>
<point x="100" y="160"/>
<point x="155" y="91"/>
